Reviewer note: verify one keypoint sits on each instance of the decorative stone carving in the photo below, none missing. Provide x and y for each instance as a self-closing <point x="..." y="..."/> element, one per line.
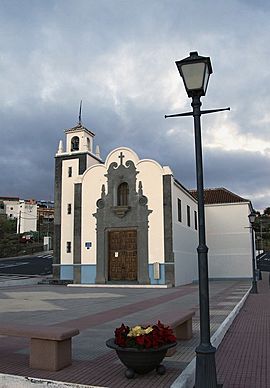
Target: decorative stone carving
<point x="110" y="217"/>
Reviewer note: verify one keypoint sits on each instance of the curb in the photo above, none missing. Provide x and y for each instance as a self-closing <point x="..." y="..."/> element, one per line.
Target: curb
<point x="121" y="285"/>
<point x="187" y="378"/>
<point x="19" y="282"/>
<point x="8" y="381"/>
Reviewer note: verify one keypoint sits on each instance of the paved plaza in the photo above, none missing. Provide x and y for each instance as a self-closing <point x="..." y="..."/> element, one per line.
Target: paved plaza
<point x="96" y="312"/>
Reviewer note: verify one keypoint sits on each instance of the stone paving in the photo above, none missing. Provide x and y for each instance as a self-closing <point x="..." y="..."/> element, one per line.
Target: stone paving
<point x="97" y="312"/>
<point x="242" y="358"/>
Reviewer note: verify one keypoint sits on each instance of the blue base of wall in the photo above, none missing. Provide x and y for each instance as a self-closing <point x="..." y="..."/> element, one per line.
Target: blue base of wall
<point x="88" y="273"/>
<point x="161" y="280"/>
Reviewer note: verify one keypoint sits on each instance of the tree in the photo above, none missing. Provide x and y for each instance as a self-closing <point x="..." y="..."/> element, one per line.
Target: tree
<point x="262" y="230"/>
<point x="7" y="226"/>
<point x="267" y="211"/>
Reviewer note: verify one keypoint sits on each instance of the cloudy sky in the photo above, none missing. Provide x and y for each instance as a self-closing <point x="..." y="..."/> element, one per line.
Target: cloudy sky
<point x="118" y="57"/>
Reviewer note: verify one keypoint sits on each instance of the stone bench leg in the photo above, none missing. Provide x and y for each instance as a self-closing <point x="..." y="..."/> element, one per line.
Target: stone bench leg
<point x="184" y="331"/>
<point x="49" y="354"/>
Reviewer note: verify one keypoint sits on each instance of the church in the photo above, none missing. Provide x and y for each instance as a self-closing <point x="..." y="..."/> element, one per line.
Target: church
<point x="129" y="221"/>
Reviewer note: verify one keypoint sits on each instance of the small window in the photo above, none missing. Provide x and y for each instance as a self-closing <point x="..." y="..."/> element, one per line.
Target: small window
<point x="122" y="194"/>
<point x="69" y="208"/>
<point x="11" y="215"/>
<point x="179" y="209"/>
<point x="195" y="220"/>
<point x="11" y="208"/>
<point x="188" y="215"/>
<point x="70" y="172"/>
<point x="68" y="246"/>
<point x="75" y="141"/>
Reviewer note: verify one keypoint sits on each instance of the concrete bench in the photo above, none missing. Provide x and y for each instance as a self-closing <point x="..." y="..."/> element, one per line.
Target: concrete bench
<point x="50" y="346"/>
<point x="179" y="321"/>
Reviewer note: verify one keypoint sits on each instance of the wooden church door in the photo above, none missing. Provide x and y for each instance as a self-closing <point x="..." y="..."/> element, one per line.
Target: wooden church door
<point x="123" y="255"/>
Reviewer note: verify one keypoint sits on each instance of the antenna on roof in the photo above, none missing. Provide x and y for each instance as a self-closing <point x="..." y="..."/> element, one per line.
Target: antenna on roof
<point x="80" y="113"/>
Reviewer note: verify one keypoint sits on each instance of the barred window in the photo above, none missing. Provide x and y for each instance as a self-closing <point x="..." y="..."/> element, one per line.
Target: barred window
<point x="122" y="194"/>
<point x="68" y="246"/>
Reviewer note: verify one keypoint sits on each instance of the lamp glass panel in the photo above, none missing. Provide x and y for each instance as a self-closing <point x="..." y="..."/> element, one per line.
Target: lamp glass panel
<point x="252" y="218"/>
<point x="193" y="75"/>
<point x="206" y="78"/>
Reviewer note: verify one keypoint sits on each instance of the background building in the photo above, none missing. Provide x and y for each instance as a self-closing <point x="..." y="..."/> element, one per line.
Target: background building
<point x="45" y="223"/>
<point x="25" y="211"/>
<point x="228" y="233"/>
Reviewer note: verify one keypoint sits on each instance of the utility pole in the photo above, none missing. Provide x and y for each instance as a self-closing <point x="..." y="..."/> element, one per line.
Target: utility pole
<point x="19" y="223"/>
<point x="261" y="236"/>
<point x="19" y="230"/>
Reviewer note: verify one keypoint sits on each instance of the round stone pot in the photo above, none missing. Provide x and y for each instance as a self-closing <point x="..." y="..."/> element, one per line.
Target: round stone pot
<point x="140" y="361"/>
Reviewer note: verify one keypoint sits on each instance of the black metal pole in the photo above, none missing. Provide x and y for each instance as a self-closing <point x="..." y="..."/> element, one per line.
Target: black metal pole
<point x="205" y="353"/>
<point x="254" y="289"/>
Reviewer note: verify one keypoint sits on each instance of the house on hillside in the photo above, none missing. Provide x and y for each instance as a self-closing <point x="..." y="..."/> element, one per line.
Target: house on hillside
<point x="128" y="220"/>
<point x="25" y="211"/>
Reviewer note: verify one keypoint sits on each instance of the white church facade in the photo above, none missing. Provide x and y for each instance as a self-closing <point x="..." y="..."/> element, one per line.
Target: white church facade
<point x="129" y="221"/>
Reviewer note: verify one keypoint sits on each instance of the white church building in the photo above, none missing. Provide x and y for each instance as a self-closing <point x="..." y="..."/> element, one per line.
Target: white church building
<point x="129" y="221"/>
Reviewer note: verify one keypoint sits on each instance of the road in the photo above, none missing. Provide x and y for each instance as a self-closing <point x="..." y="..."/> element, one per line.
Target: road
<point x="263" y="261"/>
<point x="39" y="264"/>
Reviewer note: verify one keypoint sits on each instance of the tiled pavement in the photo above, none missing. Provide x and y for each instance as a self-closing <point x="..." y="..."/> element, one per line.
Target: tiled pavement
<point x="96" y="312"/>
<point x="243" y="356"/>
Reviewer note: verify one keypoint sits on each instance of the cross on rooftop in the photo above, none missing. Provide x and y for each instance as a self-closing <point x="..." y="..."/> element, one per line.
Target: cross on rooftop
<point x="121" y="157"/>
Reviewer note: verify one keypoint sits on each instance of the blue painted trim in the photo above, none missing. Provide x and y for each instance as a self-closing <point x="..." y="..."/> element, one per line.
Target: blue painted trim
<point x="88" y="273"/>
<point x="162" y="274"/>
<point x="66" y="272"/>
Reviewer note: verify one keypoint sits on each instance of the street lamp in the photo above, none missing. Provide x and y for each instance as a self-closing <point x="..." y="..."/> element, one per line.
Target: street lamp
<point x="195" y="71"/>
<point x="254" y="289"/>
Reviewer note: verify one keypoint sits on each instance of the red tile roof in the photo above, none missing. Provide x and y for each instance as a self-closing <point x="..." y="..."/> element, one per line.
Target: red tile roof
<point x="219" y="195"/>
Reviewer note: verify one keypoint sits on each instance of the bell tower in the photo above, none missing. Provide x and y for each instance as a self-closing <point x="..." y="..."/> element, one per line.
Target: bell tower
<point x="79" y="139"/>
<point x="71" y="162"/>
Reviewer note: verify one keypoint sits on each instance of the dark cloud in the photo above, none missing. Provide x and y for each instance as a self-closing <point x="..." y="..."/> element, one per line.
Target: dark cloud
<point x="119" y="58"/>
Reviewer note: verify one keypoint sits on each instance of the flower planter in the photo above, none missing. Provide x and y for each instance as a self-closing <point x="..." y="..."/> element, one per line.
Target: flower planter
<point x="140" y="361"/>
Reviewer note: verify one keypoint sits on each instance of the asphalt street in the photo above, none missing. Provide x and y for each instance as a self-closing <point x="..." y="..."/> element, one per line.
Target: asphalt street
<point x="39" y="264"/>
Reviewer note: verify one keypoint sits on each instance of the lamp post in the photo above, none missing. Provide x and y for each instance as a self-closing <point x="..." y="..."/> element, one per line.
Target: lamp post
<point x="195" y="71"/>
<point x="254" y="289"/>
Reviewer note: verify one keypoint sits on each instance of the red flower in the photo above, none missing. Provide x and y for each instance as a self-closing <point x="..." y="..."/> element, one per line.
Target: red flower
<point x="121" y="335"/>
<point x="140" y="340"/>
<point x="158" y="336"/>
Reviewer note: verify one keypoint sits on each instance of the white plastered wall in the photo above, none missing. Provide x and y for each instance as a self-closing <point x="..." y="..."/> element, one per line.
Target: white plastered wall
<point x="91" y="161"/>
<point x="28" y="220"/>
<point x="151" y="175"/>
<point x="83" y="144"/>
<point x="67" y="220"/>
<point x="185" y="238"/>
<point x="25" y="213"/>
<point x="229" y="240"/>
<point x="92" y="182"/>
